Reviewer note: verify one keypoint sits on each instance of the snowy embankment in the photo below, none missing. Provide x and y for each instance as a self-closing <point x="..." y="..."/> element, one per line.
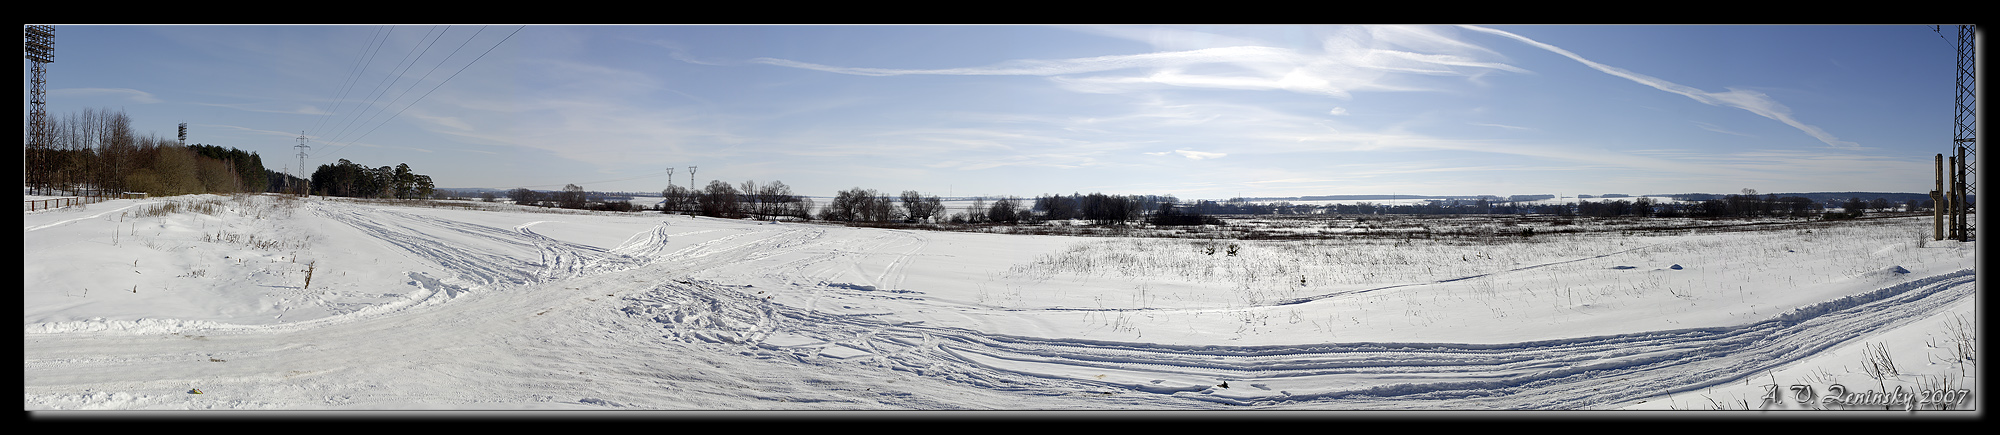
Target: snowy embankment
<point x="443" y="308"/>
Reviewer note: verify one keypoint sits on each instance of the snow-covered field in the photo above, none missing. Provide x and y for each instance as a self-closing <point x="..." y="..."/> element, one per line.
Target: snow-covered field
<point x="139" y="304"/>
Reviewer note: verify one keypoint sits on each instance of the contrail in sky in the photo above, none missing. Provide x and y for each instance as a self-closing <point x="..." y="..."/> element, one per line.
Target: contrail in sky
<point x="1753" y="101"/>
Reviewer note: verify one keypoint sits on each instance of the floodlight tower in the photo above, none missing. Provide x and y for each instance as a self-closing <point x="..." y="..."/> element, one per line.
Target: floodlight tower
<point x="39" y="42"/>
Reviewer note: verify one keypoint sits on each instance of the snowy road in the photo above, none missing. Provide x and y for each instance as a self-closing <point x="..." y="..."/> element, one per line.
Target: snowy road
<point x="534" y="312"/>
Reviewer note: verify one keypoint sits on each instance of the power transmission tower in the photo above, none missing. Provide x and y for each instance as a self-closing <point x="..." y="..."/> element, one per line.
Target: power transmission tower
<point x="670" y="183"/>
<point x="1967" y="118"/>
<point x="302" y="153"/>
<point x="1964" y="185"/>
<point x="40" y="45"/>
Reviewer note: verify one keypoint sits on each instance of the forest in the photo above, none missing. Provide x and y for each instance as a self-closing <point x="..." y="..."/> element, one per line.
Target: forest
<point x="97" y="152"/>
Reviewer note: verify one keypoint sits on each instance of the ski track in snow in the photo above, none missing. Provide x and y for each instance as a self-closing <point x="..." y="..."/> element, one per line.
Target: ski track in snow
<point x="558" y="259"/>
<point x="666" y="296"/>
<point x="1576" y="373"/>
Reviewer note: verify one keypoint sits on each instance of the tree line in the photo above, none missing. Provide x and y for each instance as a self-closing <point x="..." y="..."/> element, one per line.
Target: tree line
<point x="345" y="178"/>
<point x="721" y="199"/>
<point x="868" y="205"/>
<point x="98" y="150"/>
<point x="859" y="205"/>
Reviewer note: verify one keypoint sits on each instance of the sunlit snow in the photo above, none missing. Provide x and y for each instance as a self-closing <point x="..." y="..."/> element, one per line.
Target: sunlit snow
<point x="132" y="306"/>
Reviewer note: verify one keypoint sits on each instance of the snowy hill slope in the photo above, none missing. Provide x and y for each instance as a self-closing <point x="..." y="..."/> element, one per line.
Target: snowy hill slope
<point x="443" y="308"/>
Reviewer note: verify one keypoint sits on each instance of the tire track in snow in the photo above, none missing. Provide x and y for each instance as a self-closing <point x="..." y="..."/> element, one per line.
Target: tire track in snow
<point x="411" y="233"/>
<point x="1306" y="299"/>
<point x="1574" y="373"/>
<point x="491" y="267"/>
<point x="901" y="262"/>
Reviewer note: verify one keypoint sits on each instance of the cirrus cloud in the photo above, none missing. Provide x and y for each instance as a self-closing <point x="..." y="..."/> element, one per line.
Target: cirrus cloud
<point x="135" y="95"/>
<point x="1750" y="100"/>
<point x="1191" y="155"/>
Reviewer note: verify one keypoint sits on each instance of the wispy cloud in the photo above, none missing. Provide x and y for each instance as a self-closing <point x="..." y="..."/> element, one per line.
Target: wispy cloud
<point x="1753" y="101"/>
<point x="137" y="96"/>
<point x="1041" y="67"/>
<point x="282" y="134"/>
<point x="1509" y="127"/>
<point x="1192" y="155"/>
<point x="1712" y="127"/>
<point x="679" y="51"/>
<point x="1363" y="58"/>
<point x="300" y="110"/>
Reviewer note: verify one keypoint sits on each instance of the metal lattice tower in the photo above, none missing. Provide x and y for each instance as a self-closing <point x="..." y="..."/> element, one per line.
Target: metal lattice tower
<point x="302" y="155"/>
<point x="39" y="43"/>
<point x="1963" y="137"/>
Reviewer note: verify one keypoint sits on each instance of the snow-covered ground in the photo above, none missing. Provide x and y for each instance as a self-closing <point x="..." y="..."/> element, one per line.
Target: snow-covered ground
<point x="138" y="304"/>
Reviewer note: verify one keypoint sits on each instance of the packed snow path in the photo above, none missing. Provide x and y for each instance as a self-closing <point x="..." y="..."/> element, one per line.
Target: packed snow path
<point x="1576" y="373"/>
<point x="740" y="315"/>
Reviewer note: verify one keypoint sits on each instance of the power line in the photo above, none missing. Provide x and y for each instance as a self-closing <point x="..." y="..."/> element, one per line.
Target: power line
<point x="397" y="72"/>
<point x="361" y="61"/>
<point x="440" y="84"/>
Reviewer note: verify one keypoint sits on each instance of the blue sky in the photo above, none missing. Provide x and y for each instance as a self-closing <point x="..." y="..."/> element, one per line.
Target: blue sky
<point x="1192" y="111"/>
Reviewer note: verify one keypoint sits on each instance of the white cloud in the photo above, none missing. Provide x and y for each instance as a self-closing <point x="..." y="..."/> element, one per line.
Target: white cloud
<point x="1712" y="127"/>
<point x="135" y="95"/>
<point x="1509" y="127"/>
<point x="282" y="134"/>
<point x="1753" y="101"/>
<point x="1337" y="111"/>
<point x="300" y="110"/>
<point x="1041" y="67"/>
<point x="1352" y="59"/>
<point x="1191" y="155"/>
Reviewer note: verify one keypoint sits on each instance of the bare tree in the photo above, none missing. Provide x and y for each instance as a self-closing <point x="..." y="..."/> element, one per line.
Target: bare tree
<point x="749" y="200"/>
<point x="1004" y="211"/>
<point x="847" y="205"/>
<point x="571" y="197"/>
<point x="719" y="199"/>
<point x="776" y="199"/>
<point x="523" y="196"/>
<point x="936" y="206"/>
<point x="883" y="209"/>
<point x="914" y="204"/>
<point x="800" y="207"/>
<point x="921" y="207"/>
<point x="976" y="213"/>
<point x="674" y="199"/>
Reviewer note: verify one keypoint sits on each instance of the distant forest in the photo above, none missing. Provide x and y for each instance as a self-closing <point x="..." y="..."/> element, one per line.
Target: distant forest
<point x="868" y="206"/>
<point x="98" y="152"/>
